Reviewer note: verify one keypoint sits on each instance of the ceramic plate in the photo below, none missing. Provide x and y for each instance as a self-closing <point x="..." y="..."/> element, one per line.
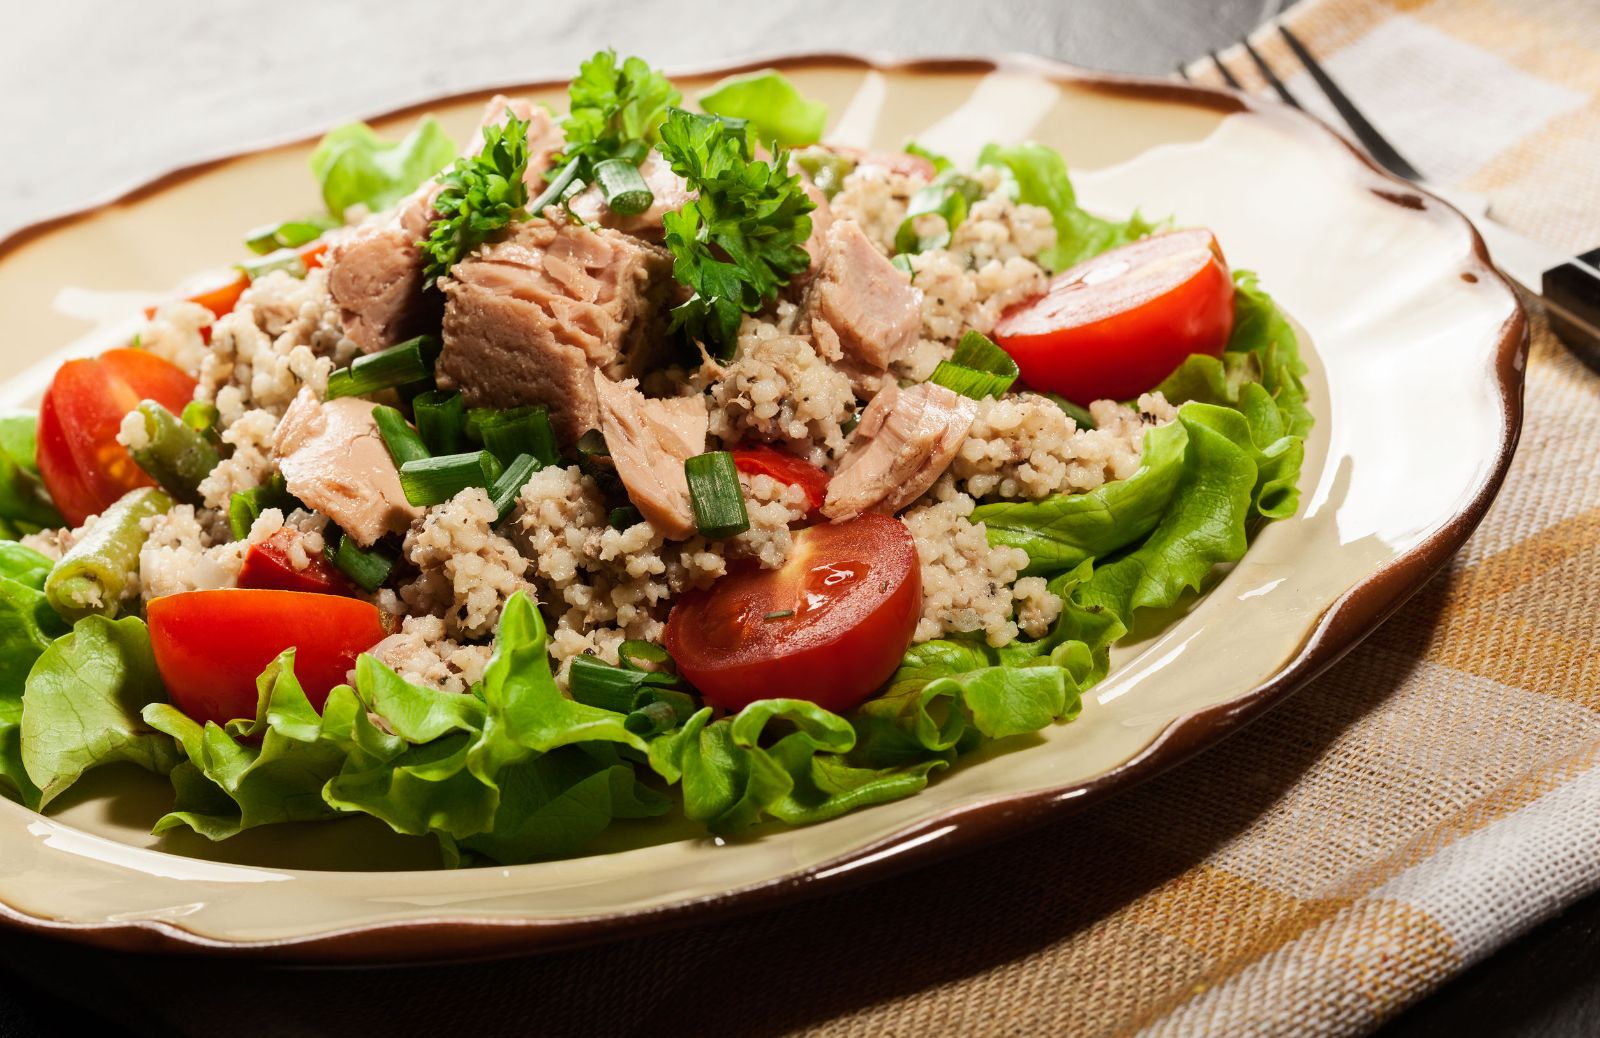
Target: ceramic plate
<point x="1416" y="348"/>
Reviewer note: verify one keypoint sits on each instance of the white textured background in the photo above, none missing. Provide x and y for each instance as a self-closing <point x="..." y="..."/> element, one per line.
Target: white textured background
<point x="98" y="96"/>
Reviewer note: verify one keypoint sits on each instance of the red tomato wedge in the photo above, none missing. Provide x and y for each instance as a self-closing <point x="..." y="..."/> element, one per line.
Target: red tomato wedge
<point x="270" y="567"/>
<point x="1114" y="326"/>
<point x="761" y="460"/>
<point x="829" y="626"/>
<point x="83" y="465"/>
<point x="210" y="646"/>
<point x="222" y="299"/>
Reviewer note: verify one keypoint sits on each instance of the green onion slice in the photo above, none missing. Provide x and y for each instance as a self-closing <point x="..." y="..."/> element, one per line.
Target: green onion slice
<point x="441" y="421"/>
<point x="368" y="568"/>
<point x="432" y="481"/>
<point x="403" y="442"/>
<point x="715" y="495"/>
<point x="287" y="260"/>
<point x="595" y="682"/>
<point x="637" y="654"/>
<point x="978" y="368"/>
<point x="246" y="506"/>
<point x="623" y="187"/>
<point x="290" y="234"/>
<point x="409" y="362"/>
<point x="557" y="189"/>
<point x="520" y="430"/>
<point x="624" y="517"/>
<point x="504" y="491"/>
<point x="826" y="169"/>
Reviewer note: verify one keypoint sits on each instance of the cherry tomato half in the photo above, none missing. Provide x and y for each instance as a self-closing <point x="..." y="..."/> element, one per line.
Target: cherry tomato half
<point x="1114" y="326"/>
<point x="83" y="465"/>
<point x="829" y="626"/>
<point x="761" y="460"/>
<point x="210" y="646"/>
<point x="269" y="566"/>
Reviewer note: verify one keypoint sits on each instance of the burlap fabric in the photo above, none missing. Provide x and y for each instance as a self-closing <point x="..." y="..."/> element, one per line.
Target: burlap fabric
<point x="1430" y="797"/>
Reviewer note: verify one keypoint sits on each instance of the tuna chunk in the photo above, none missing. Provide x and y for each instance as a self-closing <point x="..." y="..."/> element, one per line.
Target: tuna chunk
<point x="649" y="441"/>
<point x="334" y="459"/>
<point x="527" y="318"/>
<point x="375" y="274"/>
<point x="906" y="439"/>
<point x="670" y="190"/>
<point x="861" y="308"/>
<point x="821" y="224"/>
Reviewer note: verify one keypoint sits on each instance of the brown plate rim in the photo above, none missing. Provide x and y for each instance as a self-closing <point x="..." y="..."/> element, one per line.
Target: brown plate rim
<point x="1353" y="616"/>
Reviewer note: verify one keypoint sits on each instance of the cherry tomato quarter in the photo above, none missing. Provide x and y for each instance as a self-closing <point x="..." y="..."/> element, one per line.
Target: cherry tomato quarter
<point x="828" y="626"/>
<point x="1114" y="326"/>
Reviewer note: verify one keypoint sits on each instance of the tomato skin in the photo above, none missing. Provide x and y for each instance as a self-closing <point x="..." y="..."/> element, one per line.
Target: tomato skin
<point x="268" y="567"/>
<point x="855" y="590"/>
<point x="82" y="464"/>
<point x="1114" y="326"/>
<point x="762" y="460"/>
<point x="210" y="646"/>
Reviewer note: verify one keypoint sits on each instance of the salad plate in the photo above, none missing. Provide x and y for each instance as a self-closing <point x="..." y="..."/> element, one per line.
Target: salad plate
<point x="1414" y="346"/>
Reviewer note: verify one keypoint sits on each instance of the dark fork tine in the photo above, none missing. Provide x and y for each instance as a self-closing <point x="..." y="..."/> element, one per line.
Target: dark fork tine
<point x="1183" y="72"/>
<point x="1270" y="76"/>
<point x="1227" y="77"/>
<point x="1376" y="144"/>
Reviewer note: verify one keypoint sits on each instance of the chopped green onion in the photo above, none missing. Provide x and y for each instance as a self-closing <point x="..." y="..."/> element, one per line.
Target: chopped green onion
<point x="290" y="234"/>
<point x="594" y="682"/>
<point x="504" y="491"/>
<point x="246" y="506"/>
<point x="978" y="368"/>
<point x="1080" y="415"/>
<point x="441" y="421"/>
<point x="623" y="187"/>
<point x="848" y="426"/>
<point x="651" y="719"/>
<point x="410" y="361"/>
<point x="902" y="261"/>
<point x="826" y="169"/>
<point x="948" y="198"/>
<point x="624" y="517"/>
<point x="715" y="495"/>
<point x="369" y="568"/>
<point x="432" y="481"/>
<point x="287" y="260"/>
<point x="654" y="658"/>
<point x="556" y="191"/>
<point x="520" y="430"/>
<point x="403" y="442"/>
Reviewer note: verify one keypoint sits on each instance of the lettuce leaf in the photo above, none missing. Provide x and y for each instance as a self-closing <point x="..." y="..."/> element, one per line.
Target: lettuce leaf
<point x="27" y="627"/>
<point x="1040" y="176"/>
<point x="81" y="705"/>
<point x="354" y="166"/>
<point x="24" y="502"/>
<point x="773" y="106"/>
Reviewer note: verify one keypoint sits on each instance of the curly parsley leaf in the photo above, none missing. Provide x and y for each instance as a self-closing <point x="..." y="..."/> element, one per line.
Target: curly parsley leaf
<point x="742" y="237"/>
<point x="616" y="112"/>
<point x="480" y="195"/>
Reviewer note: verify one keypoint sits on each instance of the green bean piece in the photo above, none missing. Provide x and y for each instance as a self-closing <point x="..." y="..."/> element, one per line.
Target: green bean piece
<point x="175" y="454"/>
<point x="91" y="576"/>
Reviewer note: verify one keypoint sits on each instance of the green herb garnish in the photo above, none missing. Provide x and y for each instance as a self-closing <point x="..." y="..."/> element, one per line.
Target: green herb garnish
<point x="481" y="194"/>
<point x="616" y="111"/>
<point x="742" y="237"/>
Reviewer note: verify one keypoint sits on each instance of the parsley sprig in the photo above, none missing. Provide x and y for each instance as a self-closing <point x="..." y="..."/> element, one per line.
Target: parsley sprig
<point x="480" y="195"/>
<point x="616" y="111"/>
<point x="742" y="237"/>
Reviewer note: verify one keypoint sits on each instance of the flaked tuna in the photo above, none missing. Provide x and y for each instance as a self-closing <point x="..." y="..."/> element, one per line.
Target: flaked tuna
<point x="334" y="460"/>
<point x="906" y="439"/>
<point x="669" y="190"/>
<point x="375" y="273"/>
<point x="861" y="308"/>
<point x="649" y="440"/>
<point x="527" y="318"/>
